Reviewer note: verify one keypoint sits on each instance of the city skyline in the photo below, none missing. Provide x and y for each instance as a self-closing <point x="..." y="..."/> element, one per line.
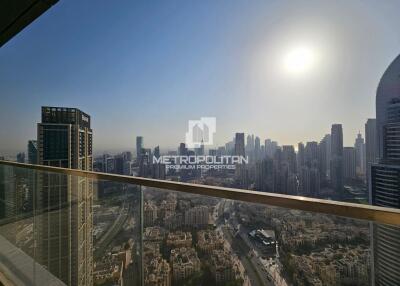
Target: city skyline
<point x="237" y="59"/>
<point x="165" y="149"/>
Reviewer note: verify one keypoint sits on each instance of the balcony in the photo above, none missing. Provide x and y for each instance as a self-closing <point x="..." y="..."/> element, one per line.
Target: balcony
<point x="70" y="227"/>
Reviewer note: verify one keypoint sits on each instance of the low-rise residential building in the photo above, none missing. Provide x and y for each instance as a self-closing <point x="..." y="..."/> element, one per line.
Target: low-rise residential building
<point x="209" y="240"/>
<point x="149" y="213"/>
<point x="222" y="266"/>
<point x="185" y="263"/>
<point x="179" y="239"/>
<point x="197" y="216"/>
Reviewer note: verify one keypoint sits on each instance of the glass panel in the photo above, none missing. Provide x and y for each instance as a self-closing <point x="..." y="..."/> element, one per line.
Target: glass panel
<point x="208" y="241"/>
<point x="68" y="230"/>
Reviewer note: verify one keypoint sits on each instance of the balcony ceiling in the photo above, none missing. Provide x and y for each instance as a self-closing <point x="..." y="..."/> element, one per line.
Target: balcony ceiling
<point x="15" y="15"/>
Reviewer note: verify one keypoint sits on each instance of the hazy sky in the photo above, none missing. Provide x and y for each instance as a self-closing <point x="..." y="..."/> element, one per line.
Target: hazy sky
<point x="147" y="67"/>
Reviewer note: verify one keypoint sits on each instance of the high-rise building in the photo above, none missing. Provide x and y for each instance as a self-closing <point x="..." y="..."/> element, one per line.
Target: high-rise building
<point x="241" y="173"/>
<point x="300" y="156"/>
<point x="239" y="144"/>
<point x="64" y="236"/>
<point x="311" y="154"/>
<point x="336" y="169"/>
<point x="270" y="148"/>
<point x="7" y="192"/>
<point x="156" y="152"/>
<point x="257" y="148"/>
<point x="21" y="157"/>
<point x="32" y="152"/>
<point x="119" y="164"/>
<point x="327" y="139"/>
<point x="289" y="156"/>
<point x="264" y="175"/>
<point x="182" y="151"/>
<point x="384" y="183"/>
<point x="309" y="175"/>
<point x="139" y="146"/>
<point x="360" y="154"/>
<point x="109" y="163"/>
<point x="349" y="163"/>
<point x="323" y="152"/>
<point x="145" y="163"/>
<point x="309" y="181"/>
<point x="65" y="138"/>
<point x="158" y="169"/>
<point x="371" y="146"/>
<point x="250" y="143"/>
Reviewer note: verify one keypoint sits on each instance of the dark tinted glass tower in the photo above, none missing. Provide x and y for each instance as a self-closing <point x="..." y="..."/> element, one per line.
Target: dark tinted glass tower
<point x="32" y="152"/>
<point x="64" y="233"/>
<point x="385" y="177"/>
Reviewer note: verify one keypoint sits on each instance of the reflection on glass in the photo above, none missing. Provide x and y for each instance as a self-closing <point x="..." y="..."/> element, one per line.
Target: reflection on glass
<point x="209" y="241"/>
<point x="76" y="230"/>
<point x="68" y="230"/>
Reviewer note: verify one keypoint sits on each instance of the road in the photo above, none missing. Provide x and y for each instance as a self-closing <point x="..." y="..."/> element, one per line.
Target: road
<point x="239" y="246"/>
<point x="112" y="231"/>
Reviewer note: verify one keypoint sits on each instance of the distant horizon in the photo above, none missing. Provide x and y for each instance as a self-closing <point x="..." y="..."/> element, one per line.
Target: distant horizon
<point x="164" y="149"/>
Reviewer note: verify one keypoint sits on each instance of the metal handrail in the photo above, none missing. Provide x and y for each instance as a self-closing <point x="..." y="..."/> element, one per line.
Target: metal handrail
<point x="349" y="210"/>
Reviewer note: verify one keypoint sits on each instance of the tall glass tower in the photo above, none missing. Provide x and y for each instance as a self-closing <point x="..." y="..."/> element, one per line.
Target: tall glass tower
<point x="63" y="203"/>
<point x="385" y="177"/>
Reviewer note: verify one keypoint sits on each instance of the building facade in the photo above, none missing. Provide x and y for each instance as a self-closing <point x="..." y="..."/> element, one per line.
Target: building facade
<point x="64" y="234"/>
<point x="384" y="183"/>
<point x="336" y="165"/>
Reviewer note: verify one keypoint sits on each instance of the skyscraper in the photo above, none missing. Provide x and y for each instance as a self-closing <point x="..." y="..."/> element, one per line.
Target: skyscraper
<point x="360" y="154"/>
<point x="327" y="139"/>
<point x="270" y="148"/>
<point x="239" y="144"/>
<point x="323" y="153"/>
<point x="65" y="138"/>
<point x="309" y="181"/>
<point x="385" y="176"/>
<point x="139" y="146"/>
<point x="182" y="150"/>
<point x="119" y="164"/>
<point x="21" y="157"/>
<point x="240" y="169"/>
<point x="7" y="192"/>
<point x="349" y="163"/>
<point x="64" y="235"/>
<point x="300" y="156"/>
<point x="311" y="154"/>
<point x="309" y="175"/>
<point x="32" y="152"/>
<point x="289" y="156"/>
<point x="336" y="170"/>
<point x="257" y="148"/>
<point x="371" y="146"/>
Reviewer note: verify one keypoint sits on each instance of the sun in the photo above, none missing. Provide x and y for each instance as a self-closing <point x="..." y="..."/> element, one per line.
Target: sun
<point x="299" y="60"/>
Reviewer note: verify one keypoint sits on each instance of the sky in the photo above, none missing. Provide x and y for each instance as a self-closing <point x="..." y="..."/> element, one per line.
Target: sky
<point x="147" y="67"/>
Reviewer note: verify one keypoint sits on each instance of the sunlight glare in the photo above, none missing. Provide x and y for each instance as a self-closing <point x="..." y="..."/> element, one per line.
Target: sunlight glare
<point x="299" y="60"/>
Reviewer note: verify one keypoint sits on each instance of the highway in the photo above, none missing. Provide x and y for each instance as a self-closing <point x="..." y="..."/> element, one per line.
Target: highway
<point x="255" y="272"/>
<point x="106" y="239"/>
